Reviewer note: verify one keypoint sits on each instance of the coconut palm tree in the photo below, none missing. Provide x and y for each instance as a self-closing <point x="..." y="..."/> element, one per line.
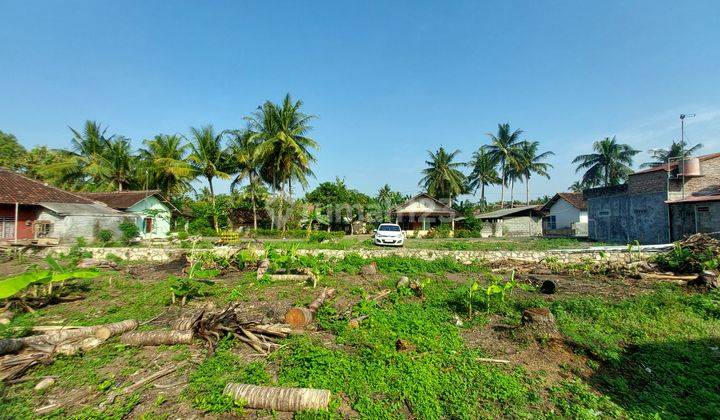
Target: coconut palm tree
<point x="84" y="165"/>
<point x="579" y="186"/>
<point x="284" y="151"/>
<point x="165" y="167"/>
<point x="442" y="177"/>
<point x="484" y="172"/>
<point x="313" y="214"/>
<point x="504" y="151"/>
<point x="118" y="163"/>
<point x="609" y="165"/>
<point x="677" y="150"/>
<point x="208" y="158"/>
<point x="246" y="165"/>
<point x="532" y="163"/>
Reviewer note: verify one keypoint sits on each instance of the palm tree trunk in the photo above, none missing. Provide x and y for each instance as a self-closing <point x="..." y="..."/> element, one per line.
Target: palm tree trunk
<point x="512" y="193"/>
<point x="482" y="192"/>
<point x="212" y="200"/>
<point x="527" y="190"/>
<point x="502" y="189"/>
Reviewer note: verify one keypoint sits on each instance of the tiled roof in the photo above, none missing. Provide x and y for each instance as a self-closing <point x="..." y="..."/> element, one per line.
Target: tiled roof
<point x="444" y="208"/>
<point x="667" y="167"/>
<point x="696" y="199"/>
<point x="16" y="188"/>
<point x="575" y="199"/>
<point x="121" y="200"/>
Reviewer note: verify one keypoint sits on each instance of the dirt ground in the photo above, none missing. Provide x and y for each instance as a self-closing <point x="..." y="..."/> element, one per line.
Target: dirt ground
<point x="268" y="304"/>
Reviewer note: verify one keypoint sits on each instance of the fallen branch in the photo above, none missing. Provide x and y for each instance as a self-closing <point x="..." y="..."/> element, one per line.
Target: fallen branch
<point x="129" y="389"/>
<point x="156" y="338"/>
<point x="484" y="359"/>
<point x="300" y="317"/>
<point x="281" y="399"/>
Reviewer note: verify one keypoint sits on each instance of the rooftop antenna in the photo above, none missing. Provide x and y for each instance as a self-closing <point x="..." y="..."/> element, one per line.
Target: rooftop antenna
<point x="682" y="147"/>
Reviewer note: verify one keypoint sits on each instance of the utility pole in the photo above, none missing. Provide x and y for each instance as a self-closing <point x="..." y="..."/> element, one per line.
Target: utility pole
<point x="682" y="147"/>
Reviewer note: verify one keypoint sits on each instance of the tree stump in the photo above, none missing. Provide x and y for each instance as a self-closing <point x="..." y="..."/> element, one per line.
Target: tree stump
<point x="300" y="317"/>
<point x="540" y="322"/>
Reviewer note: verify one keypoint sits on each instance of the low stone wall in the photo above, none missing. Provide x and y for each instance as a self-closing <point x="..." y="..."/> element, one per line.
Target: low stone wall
<point x="466" y="257"/>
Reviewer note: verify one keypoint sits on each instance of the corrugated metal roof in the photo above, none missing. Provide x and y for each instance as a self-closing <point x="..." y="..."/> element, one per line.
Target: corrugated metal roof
<point x="120" y="199"/>
<point x="507" y="212"/>
<point x="696" y="199"/>
<point x="77" y="209"/>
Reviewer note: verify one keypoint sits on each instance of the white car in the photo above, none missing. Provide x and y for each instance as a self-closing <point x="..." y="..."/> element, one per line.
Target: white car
<point x="389" y="234"/>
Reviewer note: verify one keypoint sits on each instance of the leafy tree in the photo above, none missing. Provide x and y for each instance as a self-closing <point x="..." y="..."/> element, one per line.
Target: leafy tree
<point x="532" y="163"/>
<point x="483" y="173"/>
<point x="676" y="151"/>
<point x="337" y="199"/>
<point x="442" y="178"/>
<point x="164" y="161"/>
<point x="35" y="161"/>
<point x="609" y="165"/>
<point x="385" y="200"/>
<point x="207" y="158"/>
<point x="246" y="165"/>
<point x="119" y="163"/>
<point x="504" y="151"/>
<point x="11" y="151"/>
<point x="284" y="151"/>
<point x="579" y="186"/>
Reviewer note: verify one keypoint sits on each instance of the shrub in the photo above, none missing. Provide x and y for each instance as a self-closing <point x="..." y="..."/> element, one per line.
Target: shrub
<point x="105" y="236"/>
<point x="322" y="236"/>
<point x="129" y="231"/>
<point x="440" y="231"/>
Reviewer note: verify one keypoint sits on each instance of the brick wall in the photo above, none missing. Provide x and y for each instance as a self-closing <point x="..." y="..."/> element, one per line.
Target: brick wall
<point x="647" y="182"/>
<point x="707" y="184"/>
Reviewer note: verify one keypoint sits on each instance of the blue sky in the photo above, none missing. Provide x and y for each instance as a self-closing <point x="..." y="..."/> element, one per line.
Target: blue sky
<point x="388" y="80"/>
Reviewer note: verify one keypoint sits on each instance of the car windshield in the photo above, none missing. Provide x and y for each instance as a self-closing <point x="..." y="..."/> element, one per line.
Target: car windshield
<point x="389" y="228"/>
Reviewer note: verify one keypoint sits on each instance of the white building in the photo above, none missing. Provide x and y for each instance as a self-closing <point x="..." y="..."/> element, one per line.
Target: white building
<point x="565" y="215"/>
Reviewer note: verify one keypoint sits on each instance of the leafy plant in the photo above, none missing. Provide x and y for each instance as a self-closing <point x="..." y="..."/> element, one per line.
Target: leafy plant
<point x="129" y="231"/>
<point x="105" y="235"/>
<point x="188" y="287"/>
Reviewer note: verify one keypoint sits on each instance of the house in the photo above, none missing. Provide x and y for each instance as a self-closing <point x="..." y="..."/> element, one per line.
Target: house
<point x="422" y="213"/>
<point x="152" y="212"/>
<point x="32" y="210"/>
<point x="565" y="215"/>
<point x="658" y="205"/>
<point x="516" y="221"/>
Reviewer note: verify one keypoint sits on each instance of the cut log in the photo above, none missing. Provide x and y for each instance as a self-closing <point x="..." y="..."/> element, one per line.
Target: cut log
<point x="273" y="330"/>
<point x="300" y="317"/>
<point x="291" y="277"/>
<point x="276" y="398"/>
<point x="156" y="338"/>
<point x="110" y="330"/>
<point x="187" y="322"/>
<point x="11" y="345"/>
<point x="84" y="344"/>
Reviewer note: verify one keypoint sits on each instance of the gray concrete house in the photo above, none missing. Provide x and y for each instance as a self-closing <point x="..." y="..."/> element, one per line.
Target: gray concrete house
<point x="658" y="205"/>
<point x="517" y="221"/>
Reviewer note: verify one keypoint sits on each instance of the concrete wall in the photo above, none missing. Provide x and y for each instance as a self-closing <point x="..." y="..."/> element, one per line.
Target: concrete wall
<point x="625" y="218"/>
<point x="465" y="257"/>
<point x="689" y="218"/>
<point x="521" y="226"/>
<point x="153" y="208"/>
<point x="68" y="228"/>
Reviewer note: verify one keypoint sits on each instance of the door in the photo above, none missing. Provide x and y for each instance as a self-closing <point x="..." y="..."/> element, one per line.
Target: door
<point x="704" y="219"/>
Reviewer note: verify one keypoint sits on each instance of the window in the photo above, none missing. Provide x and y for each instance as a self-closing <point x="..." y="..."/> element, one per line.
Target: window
<point x="551" y="222"/>
<point x="389" y="228"/>
<point x="42" y="229"/>
<point x="148" y="224"/>
<point x="7" y="227"/>
<point x="604" y="213"/>
<point x="703" y="209"/>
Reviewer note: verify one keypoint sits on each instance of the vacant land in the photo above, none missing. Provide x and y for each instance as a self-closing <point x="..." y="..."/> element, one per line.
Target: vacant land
<point x="626" y="348"/>
<point x="452" y="244"/>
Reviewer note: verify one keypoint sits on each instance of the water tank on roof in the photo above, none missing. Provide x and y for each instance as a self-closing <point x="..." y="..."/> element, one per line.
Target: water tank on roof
<point x="689" y="166"/>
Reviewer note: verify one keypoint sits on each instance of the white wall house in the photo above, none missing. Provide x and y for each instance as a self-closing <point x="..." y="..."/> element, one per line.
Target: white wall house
<point x="421" y="213"/>
<point x="565" y="215"/>
<point x="152" y="212"/>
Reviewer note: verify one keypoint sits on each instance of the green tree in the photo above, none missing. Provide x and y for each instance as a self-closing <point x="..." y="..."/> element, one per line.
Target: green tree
<point x="531" y="162"/>
<point x="385" y="200"/>
<point x="336" y="198"/>
<point x="119" y="164"/>
<point x="484" y="172"/>
<point x="609" y="165"/>
<point x="11" y="151"/>
<point x="208" y="158"/>
<point x="579" y="186"/>
<point x="504" y="151"/>
<point x="246" y="165"/>
<point x="442" y="178"/>
<point x="676" y="151"/>
<point x="285" y="152"/>
<point x="163" y="160"/>
<point x="37" y="159"/>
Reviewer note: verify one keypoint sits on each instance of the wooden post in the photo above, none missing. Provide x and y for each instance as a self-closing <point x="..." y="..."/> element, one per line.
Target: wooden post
<point x="17" y="208"/>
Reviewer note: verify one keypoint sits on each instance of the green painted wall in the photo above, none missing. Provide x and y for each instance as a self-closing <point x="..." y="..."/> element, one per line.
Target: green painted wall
<point x="159" y="212"/>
